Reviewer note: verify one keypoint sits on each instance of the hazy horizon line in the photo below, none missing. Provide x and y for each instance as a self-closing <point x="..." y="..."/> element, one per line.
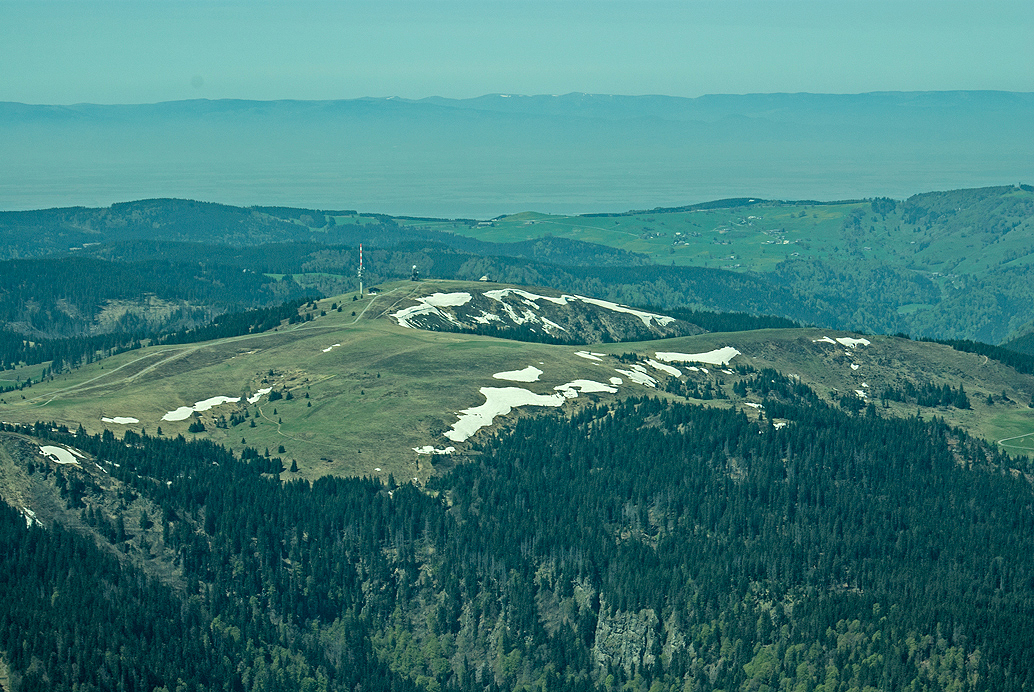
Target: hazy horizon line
<point x="540" y="95"/>
<point x="654" y="210"/>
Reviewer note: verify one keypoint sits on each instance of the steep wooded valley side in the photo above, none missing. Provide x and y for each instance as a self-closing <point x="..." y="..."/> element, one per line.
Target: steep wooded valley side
<point x="641" y="544"/>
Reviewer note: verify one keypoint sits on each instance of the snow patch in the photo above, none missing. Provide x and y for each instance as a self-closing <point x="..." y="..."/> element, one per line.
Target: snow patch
<point x="184" y="412"/>
<point x="446" y="300"/>
<point x="501" y="293"/>
<point x="753" y="405"/>
<point x="855" y="366"/>
<point x="646" y="317"/>
<point x="253" y="399"/>
<point x="616" y="380"/>
<point x="860" y="392"/>
<point x="499" y="401"/>
<point x="571" y="389"/>
<point x="528" y="374"/>
<point x="638" y="376"/>
<point x="121" y="420"/>
<point x="664" y="368"/>
<point x="550" y="324"/>
<point x="823" y="340"/>
<point x="430" y="449"/>
<point x="589" y="356"/>
<point x="719" y="356"/>
<point x="328" y="349"/>
<point x="852" y="343"/>
<point x="58" y="454"/>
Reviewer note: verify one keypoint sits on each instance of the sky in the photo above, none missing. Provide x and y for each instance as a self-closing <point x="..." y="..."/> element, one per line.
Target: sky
<point x="146" y="51"/>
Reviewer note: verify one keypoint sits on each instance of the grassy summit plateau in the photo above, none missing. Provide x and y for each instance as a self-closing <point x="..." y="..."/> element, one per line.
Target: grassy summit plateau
<point x="355" y="394"/>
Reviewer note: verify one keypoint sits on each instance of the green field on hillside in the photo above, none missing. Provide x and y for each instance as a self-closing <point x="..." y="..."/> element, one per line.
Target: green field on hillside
<point x="754" y="237"/>
<point x="361" y="392"/>
<point x="928" y="233"/>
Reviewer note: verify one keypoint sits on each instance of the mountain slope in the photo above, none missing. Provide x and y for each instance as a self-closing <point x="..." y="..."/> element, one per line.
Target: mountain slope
<point x="361" y="395"/>
<point x="644" y="542"/>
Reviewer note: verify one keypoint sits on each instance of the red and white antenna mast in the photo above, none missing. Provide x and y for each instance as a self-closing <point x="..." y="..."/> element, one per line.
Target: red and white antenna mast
<point x="360" y="270"/>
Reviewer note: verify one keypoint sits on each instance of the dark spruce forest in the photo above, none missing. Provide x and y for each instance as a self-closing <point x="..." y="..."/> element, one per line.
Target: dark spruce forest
<point x="676" y="539"/>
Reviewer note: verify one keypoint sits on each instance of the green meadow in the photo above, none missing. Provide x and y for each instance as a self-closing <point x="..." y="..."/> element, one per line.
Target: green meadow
<point x="759" y="236"/>
<point x="360" y="393"/>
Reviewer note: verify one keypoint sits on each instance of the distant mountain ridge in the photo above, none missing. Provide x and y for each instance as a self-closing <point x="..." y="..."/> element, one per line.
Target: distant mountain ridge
<point x="499" y="154"/>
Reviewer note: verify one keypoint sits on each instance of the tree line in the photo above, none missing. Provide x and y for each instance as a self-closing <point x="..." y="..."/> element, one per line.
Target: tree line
<point x="642" y="544"/>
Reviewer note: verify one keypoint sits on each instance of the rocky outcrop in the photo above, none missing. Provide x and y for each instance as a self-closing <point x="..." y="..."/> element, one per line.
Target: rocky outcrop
<point x="626" y="639"/>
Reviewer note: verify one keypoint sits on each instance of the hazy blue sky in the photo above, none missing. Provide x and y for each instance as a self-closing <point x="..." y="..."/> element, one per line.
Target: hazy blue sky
<point x="137" y="51"/>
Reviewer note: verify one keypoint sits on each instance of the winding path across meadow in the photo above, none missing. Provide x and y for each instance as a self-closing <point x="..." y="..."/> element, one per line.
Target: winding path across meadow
<point x="175" y="353"/>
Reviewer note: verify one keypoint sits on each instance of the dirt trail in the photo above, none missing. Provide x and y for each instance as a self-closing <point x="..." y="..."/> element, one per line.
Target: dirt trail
<point x="176" y="353"/>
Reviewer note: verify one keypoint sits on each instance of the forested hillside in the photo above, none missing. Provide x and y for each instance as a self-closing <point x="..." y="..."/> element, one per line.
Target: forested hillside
<point x="146" y="228"/>
<point x="641" y="545"/>
<point x="96" y="297"/>
<point x="950" y="264"/>
<point x="939" y="264"/>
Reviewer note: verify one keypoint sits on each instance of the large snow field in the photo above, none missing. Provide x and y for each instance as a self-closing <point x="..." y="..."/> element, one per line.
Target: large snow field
<point x="514" y="311"/>
<point x="428" y="305"/>
<point x="447" y="300"/>
<point x="531" y="298"/>
<point x="528" y="374"/>
<point x="499" y="401"/>
<point x="58" y="454"/>
<point x="120" y="420"/>
<point x="719" y="356"/>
